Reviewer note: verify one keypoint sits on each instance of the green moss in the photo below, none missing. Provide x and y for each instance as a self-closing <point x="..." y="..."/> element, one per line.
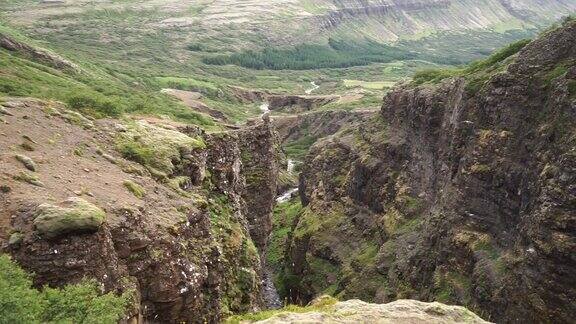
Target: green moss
<point x="477" y="73"/>
<point x="298" y="149"/>
<point x="15" y="238"/>
<point x="155" y="147"/>
<point x="312" y="222"/>
<point x="486" y="245"/>
<point x="28" y="178"/>
<point x="320" y="274"/>
<point x="179" y="183"/>
<point x="136" y="189"/>
<point x="239" y="255"/>
<point x="323" y="304"/>
<point x="572" y="88"/>
<point x="283" y="218"/>
<point x="287" y="179"/>
<point x="451" y="287"/>
<point x="368" y="255"/>
<point x="76" y="215"/>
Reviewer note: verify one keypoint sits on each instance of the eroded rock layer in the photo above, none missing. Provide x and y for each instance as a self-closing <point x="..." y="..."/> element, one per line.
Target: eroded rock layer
<point x="153" y="207"/>
<point x="460" y="192"/>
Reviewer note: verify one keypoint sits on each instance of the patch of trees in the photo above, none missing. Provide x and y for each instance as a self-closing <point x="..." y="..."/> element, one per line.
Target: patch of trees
<point x="336" y="54"/>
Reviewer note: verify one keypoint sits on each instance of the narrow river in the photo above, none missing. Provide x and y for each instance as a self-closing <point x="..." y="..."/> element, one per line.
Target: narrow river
<point x="269" y="292"/>
<point x="314" y="88"/>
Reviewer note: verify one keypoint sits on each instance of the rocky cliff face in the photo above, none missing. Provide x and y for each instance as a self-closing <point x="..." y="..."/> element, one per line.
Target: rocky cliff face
<point x="460" y="192"/>
<point x="317" y="124"/>
<point x="156" y="208"/>
<point x="393" y="20"/>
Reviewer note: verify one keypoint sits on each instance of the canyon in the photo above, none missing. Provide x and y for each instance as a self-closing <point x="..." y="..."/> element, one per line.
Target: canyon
<point x="452" y="193"/>
<point x="430" y="181"/>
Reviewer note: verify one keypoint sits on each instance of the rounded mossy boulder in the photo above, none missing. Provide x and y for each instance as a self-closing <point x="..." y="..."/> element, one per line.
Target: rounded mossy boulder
<point x="74" y="215"/>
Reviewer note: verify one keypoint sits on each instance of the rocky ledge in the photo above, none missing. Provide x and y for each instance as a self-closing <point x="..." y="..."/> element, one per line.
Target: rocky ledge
<point x="324" y="310"/>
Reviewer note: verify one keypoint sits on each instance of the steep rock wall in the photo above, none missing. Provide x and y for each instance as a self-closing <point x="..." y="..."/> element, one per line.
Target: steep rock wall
<point x="460" y="192"/>
<point x="178" y="230"/>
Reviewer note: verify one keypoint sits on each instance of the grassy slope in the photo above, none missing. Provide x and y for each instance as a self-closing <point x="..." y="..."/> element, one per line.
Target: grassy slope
<point x="95" y="89"/>
<point x="133" y="56"/>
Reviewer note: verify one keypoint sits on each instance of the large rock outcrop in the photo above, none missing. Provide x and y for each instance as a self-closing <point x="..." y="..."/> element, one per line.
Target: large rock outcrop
<point x="460" y="192"/>
<point x="401" y="311"/>
<point x="152" y="207"/>
<point x="317" y="124"/>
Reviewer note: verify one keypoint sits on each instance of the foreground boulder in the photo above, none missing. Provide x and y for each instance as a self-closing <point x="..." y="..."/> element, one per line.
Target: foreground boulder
<point x="356" y="311"/>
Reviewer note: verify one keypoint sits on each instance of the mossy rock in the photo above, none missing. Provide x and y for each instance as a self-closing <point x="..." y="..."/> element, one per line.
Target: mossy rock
<point x="155" y="147"/>
<point x="26" y="161"/>
<point x="75" y="215"/>
<point x="15" y="239"/>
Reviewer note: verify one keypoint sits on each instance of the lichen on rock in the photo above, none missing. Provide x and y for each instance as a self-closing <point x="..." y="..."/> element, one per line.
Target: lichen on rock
<point x="75" y="215"/>
<point x="328" y="310"/>
<point x="155" y="147"/>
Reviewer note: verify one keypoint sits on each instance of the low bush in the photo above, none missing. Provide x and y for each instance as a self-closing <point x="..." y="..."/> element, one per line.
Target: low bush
<point x="80" y="303"/>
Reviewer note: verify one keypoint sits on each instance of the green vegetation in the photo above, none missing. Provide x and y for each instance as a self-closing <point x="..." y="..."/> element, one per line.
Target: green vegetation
<point x="451" y="287"/>
<point x="287" y="179"/>
<point x="476" y="73"/>
<point x="155" y="147"/>
<point x="337" y="54"/>
<point x="239" y="255"/>
<point x="77" y="215"/>
<point x="299" y="148"/>
<point x="28" y="177"/>
<point x="376" y="85"/>
<point x="80" y="303"/>
<point x="323" y="304"/>
<point x="461" y="47"/>
<point x="94" y="90"/>
<point x="311" y="222"/>
<point x="283" y="218"/>
<point x="136" y="189"/>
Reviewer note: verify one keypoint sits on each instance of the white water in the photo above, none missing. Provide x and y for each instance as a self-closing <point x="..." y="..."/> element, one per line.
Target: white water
<point x="265" y="108"/>
<point x="290" y="193"/>
<point x="287" y="195"/>
<point x="291" y="165"/>
<point x="314" y="87"/>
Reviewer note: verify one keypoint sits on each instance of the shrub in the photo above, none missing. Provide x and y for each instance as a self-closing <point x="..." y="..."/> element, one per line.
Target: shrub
<point x="18" y="302"/>
<point x="80" y="303"/>
<point x="498" y="56"/>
